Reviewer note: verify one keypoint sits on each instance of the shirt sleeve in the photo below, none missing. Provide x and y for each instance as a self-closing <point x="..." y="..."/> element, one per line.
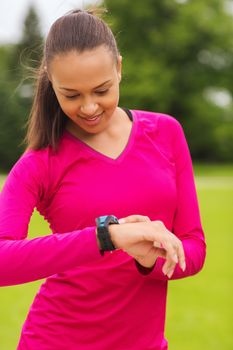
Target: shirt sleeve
<point x="187" y="223"/>
<point x="23" y="260"/>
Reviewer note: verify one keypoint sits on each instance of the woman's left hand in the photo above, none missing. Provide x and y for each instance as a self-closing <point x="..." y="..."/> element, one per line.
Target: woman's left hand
<point x="146" y="253"/>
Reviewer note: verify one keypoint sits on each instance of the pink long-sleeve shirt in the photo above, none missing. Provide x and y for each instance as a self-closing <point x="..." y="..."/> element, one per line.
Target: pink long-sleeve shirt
<point x="89" y="301"/>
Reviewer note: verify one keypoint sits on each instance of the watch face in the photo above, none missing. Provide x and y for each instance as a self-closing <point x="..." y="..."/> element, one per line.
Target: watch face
<point x="100" y="220"/>
<point x="106" y="220"/>
<point x="111" y="219"/>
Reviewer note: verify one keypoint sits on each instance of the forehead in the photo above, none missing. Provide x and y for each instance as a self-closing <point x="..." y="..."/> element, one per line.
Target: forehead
<point x="91" y="67"/>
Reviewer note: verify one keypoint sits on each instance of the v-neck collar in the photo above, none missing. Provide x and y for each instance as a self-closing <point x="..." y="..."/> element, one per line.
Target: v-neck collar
<point x="102" y="156"/>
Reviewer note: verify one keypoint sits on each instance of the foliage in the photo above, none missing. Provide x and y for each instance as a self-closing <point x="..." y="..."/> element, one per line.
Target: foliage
<point x="177" y="59"/>
<point x="174" y="54"/>
<point x="16" y="88"/>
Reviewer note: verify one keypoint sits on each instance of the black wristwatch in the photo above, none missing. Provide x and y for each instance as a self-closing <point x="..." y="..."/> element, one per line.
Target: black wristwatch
<point x="103" y="234"/>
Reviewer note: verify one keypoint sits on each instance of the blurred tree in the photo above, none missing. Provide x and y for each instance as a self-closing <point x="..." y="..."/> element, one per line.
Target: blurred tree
<point x="16" y="88"/>
<point x="178" y="60"/>
<point x="27" y="52"/>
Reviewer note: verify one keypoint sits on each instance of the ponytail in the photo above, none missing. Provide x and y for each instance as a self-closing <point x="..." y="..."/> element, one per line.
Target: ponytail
<point x="47" y="120"/>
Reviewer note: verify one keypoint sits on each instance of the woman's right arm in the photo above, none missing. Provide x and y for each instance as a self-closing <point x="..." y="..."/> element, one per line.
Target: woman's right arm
<point x="24" y="260"/>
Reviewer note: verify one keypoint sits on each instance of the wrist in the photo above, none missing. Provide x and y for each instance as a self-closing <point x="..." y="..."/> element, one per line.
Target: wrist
<point x="113" y="229"/>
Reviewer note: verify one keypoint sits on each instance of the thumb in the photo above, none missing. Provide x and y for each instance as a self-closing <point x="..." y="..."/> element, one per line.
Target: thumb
<point x="134" y="218"/>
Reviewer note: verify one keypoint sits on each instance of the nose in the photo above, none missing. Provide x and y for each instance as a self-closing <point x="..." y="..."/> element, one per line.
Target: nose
<point x="89" y="108"/>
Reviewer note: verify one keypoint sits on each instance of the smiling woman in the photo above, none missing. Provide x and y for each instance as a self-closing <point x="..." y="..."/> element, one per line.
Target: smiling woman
<point x="88" y="163"/>
<point x="91" y="100"/>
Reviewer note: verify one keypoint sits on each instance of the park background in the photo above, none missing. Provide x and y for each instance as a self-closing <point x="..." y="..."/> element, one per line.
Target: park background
<point x="177" y="59"/>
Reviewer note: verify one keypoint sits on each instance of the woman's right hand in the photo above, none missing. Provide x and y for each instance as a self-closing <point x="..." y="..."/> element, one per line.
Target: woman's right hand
<point x="134" y="237"/>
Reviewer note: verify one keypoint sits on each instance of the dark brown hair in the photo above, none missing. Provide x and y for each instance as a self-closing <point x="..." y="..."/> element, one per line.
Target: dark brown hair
<point x="78" y="30"/>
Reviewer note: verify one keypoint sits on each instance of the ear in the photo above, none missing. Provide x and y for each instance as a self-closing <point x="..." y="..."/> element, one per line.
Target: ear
<point x="119" y="67"/>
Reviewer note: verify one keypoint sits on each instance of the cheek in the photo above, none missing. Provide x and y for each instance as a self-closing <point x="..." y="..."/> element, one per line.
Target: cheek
<point x="68" y="107"/>
<point x="113" y="99"/>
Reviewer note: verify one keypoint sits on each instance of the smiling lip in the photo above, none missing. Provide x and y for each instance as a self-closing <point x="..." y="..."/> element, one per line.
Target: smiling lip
<point x="92" y="121"/>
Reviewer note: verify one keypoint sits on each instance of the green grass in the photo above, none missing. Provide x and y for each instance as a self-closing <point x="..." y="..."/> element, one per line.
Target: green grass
<point x="205" y="169"/>
<point x="199" y="309"/>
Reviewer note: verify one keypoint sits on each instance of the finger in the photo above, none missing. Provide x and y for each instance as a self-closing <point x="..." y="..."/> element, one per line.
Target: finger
<point x="166" y="240"/>
<point x="181" y="257"/>
<point x="170" y="272"/>
<point x="180" y="251"/>
<point x="161" y="252"/>
<point x="134" y="218"/>
<point x="168" y="267"/>
<point x="171" y="250"/>
<point x="158" y="244"/>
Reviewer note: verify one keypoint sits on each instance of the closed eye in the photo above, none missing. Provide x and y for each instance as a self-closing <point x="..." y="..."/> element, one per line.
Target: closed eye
<point x="101" y="92"/>
<point x="71" y="97"/>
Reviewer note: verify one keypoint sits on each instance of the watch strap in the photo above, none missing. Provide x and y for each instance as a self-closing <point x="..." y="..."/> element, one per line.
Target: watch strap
<point x="103" y="234"/>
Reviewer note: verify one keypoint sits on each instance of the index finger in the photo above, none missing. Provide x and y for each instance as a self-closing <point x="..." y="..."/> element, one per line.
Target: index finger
<point x="181" y="256"/>
<point x="171" y="249"/>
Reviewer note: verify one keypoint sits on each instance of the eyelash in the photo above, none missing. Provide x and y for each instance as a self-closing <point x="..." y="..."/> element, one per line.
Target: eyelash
<point x="103" y="92"/>
<point x="71" y="97"/>
<point x="97" y="92"/>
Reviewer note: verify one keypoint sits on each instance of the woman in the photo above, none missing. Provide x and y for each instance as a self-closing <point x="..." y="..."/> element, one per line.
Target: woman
<point x="87" y="159"/>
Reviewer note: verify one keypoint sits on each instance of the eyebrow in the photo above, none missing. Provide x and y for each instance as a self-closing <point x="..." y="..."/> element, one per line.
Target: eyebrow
<point x="72" y="90"/>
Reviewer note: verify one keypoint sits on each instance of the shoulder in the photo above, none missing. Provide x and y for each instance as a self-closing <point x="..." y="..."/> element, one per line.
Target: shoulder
<point x="29" y="172"/>
<point x="32" y="162"/>
<point x="158" y="122"/>
<point x="41" y="161"/>
<point x="45" y="165"/>
<point x="39" y="172"/>
<point x="164" y="132"/>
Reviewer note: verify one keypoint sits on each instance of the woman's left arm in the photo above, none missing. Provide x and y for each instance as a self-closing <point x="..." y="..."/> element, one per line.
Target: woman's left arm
<point x="187" y="223"/>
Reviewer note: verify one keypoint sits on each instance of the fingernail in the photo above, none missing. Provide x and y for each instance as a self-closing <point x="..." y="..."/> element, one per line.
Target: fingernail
<point x="121" y="221"/>
<point x="183" y="266"/>
<point x="169" y="274"/>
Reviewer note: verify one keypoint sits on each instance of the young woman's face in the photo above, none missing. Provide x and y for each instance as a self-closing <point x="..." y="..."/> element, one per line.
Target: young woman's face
<point x="87" y="88"/>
